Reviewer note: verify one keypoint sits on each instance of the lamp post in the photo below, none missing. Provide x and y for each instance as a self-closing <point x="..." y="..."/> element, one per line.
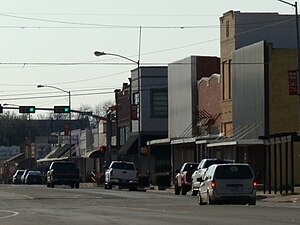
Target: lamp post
<point x="97" y="53"/>
<point x="298" y="70"/>
<point x="297" y="33"/>
<point x="70" y="116"/>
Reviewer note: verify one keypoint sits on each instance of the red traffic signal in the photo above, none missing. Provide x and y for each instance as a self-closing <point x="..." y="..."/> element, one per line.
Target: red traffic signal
<point x="102" y="149"/>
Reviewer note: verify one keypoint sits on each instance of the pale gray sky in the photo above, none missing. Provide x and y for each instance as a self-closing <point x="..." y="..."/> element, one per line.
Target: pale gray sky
<point x="40" y="39"/>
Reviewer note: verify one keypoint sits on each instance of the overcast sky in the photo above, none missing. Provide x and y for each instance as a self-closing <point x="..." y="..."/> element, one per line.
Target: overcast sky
<point x="52" y="43"/>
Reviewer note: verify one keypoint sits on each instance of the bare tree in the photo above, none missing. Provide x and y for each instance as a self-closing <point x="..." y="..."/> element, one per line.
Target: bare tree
<point x="101" y="108"/>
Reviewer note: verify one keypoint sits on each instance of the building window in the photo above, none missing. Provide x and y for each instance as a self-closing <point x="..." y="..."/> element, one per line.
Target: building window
<point x="229" y="79"/>
<point x="159" y="103"/>
<point x="227" y="29"/>
<point x="223" y="80"/>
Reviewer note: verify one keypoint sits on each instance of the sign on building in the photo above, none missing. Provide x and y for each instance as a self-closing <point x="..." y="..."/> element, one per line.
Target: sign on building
<point x="293" y="82"/>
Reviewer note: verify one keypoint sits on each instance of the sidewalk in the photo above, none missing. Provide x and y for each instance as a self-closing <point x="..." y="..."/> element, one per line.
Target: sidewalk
<point x="279" y="198"/>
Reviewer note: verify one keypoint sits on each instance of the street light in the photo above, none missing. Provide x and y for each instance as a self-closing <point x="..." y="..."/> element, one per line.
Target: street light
<point x="298" y="69"/>
<point x="297" y="33"/>
<point x="70" y="116"/>
<point x="97" y="53"/>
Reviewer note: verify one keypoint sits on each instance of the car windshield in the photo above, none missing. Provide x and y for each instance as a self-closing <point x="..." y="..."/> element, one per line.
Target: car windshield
<point x="233" y="172"/>
<point x="123" y="166"/>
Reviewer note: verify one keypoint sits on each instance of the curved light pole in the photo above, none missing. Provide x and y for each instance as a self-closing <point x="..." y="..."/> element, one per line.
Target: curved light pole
<point x="98" y="53"/>
<point x="298" y="70"/>
<point x="70" y="116"/>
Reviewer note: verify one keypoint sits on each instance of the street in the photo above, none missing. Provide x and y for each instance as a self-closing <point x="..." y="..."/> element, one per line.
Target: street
<point x="25" y="204"/>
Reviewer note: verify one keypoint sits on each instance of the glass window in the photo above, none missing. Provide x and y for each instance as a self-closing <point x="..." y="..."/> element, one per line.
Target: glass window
<point x="159" y="103"/>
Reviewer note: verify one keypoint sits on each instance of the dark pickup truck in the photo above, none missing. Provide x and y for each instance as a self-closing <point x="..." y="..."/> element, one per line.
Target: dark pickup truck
<point x="63" y="172"/>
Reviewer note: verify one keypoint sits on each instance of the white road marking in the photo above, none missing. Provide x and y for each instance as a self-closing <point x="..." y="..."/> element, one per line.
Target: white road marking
<point x="13" y="213"/>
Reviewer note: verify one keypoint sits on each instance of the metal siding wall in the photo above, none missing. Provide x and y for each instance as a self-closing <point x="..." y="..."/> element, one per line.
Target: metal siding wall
<point x="181" y="78"/>
<point x="248" y="88"/>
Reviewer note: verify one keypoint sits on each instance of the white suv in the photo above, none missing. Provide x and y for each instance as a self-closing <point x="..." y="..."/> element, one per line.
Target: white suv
<point x="122" y="174"/>
<point x="202" y="167"/>
<point x="233" y="182"/>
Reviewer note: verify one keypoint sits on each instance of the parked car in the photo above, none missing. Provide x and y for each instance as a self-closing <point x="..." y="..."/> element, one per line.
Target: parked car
<point x="123" y="174"/>
<point x="17" y="177"/>
<point x="202" y="167"/>
<point x="228" y="183"/>
<point x="23" y="176"/>
<point x="183" y="178"/>
<point x="63" y="172"/>
<point x="34" y="177"/>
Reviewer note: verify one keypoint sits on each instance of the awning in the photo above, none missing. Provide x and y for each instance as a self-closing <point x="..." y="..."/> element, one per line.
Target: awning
<point x="129" y="143"/>
<point x="93" y="154"/>
<point x="15" y="158"/>
<point x="183" y="141"/>
<point x="237" y="143"/>
<point x="165" y="141"/>
<point x="60" y="153"/>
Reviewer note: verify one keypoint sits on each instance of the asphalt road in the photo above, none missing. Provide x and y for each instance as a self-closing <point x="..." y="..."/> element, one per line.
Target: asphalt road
<point x="24" y="204"/>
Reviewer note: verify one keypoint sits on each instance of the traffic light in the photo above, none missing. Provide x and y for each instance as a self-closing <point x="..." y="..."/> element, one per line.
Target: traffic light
<point x="62" y="109"/>
<point x="26" y="109"/>
<point x="102" y="149"/>
<point x="1" y="108"/>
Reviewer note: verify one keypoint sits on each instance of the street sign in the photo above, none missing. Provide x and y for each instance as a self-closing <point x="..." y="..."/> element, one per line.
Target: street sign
<point x="87" y="113"/>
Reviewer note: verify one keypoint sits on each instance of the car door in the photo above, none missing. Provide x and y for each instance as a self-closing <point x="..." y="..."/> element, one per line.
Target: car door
<point x="204" y="185"/>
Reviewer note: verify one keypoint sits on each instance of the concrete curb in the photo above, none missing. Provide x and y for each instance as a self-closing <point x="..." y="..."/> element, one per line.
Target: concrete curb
<point x="279" y="198"/>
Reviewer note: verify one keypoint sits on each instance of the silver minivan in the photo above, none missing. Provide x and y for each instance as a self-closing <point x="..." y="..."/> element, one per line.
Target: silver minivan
<point x="234" y="182"/>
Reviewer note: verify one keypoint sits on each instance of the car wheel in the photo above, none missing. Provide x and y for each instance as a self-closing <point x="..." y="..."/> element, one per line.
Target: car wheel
<point x="209" y="201"/>
<point x="134" y="188"/>
<point x="200" y="201"/>
<point x="183" y="190"/>
<point x="252" y="201"/>
<point x="108" y="186"/>
<point x="194" y="192"/>
<point x="177" y="190"/>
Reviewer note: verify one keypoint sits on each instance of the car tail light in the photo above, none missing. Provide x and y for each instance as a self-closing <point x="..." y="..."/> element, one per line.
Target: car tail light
<point x="254" y="184"/>
<point x="213" y="184"/>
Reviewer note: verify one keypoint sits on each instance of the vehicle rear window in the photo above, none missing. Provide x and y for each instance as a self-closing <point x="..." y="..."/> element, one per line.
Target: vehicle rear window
<point x="212" y="162"/>
<point x="190" y="167"/>
<point x="64" y="166"/>
<point x="123" y="166"/>
<point x="233" y="172"/>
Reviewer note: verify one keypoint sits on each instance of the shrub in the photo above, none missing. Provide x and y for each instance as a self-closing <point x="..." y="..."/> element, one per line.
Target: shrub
<point x="143" y="181"/>
<point x="161" y="179"/>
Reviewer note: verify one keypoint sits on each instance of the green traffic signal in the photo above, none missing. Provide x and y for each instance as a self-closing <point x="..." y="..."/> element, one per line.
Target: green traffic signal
<point x="61" y="109"/>
<point x="26" y="109"/>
